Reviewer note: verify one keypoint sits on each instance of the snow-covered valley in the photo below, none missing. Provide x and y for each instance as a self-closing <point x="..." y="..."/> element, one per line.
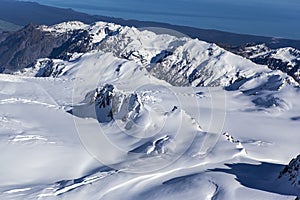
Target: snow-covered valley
<point x="119" y="113"/>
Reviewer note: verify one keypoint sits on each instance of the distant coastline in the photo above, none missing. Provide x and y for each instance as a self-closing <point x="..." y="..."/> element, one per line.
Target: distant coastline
<point x="30" y="12"/>
<point x="270" y="18"/>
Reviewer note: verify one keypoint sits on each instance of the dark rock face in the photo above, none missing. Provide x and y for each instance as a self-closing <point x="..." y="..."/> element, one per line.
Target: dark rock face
<point x="103" y="103"/>
<point x="292" y="172"/>
<point x="79" y="42"/>
<point x="22" y="48"/>
<point x="292" y="68"/>
<point x="48" y="68"/>
<point x="104" y="96"/>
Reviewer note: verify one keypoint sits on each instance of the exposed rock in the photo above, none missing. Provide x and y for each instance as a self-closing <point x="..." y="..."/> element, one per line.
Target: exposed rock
<point x="22" y="48"/>
<point x="78" y="42"/>
<point x="284" y="59"/>
<point x="292" y="172"/>
<point x="110" y="104"/>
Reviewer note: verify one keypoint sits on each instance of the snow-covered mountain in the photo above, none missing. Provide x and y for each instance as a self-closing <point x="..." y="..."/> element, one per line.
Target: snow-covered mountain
<point x="179" y="61"/>
<point x="109" y="112"/>
<point x="285" y="59"/>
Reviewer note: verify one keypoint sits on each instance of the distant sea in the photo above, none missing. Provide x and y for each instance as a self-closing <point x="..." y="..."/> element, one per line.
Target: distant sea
<point x="275" y="18"/>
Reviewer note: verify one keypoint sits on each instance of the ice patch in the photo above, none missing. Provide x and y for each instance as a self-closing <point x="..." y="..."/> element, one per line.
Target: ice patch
<point x="26" y="101"/>
<point x="28" y="138"/>
<point x="17" y="190"/>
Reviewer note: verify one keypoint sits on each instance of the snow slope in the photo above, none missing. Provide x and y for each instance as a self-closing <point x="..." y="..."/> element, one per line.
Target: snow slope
<point x="124" y="121"/>
<point x="285" y="59"/>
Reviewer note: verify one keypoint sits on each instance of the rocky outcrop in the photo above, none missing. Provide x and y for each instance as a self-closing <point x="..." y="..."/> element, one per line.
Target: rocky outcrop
<point x="284" y="59"/>
<point x="22" y="48"/>
<point x="78" y="42"/>
<point x="291" y="172"/>
<point x="108" y="104"/>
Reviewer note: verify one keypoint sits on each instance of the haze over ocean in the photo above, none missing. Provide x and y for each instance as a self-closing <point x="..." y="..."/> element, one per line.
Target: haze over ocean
<point x="275" y="18"/>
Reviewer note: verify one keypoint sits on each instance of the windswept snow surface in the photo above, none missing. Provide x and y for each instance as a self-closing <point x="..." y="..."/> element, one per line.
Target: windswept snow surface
<point x="109" y="126"/>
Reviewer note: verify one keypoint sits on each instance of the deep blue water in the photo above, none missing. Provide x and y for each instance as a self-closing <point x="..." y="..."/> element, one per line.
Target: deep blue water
<point x="277" y="18"/>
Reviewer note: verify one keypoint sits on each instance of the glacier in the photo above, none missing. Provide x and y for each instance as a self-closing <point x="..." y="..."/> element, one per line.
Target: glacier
<point x="139" y="115"/>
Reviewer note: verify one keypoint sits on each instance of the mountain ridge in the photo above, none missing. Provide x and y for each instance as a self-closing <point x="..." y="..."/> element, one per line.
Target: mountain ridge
<point x="180" y="61"/>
